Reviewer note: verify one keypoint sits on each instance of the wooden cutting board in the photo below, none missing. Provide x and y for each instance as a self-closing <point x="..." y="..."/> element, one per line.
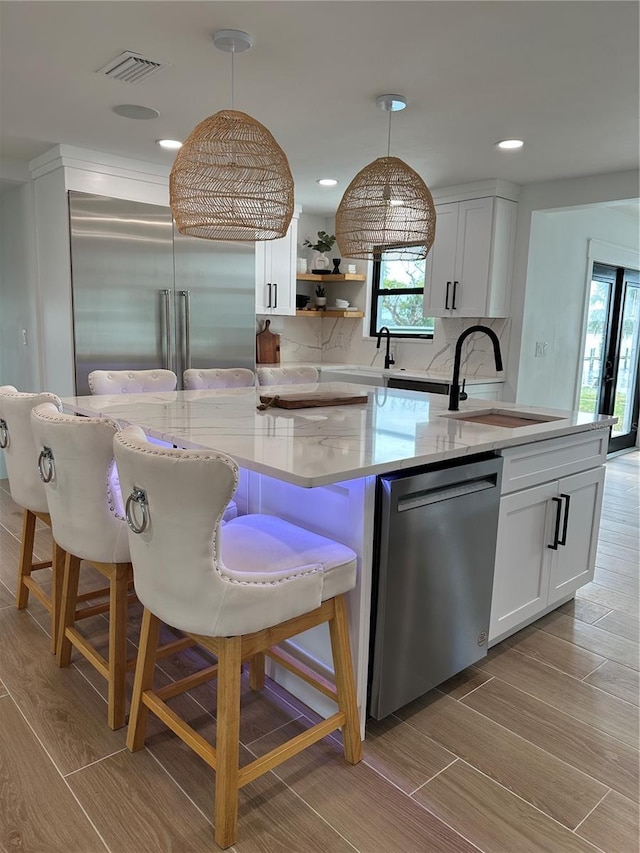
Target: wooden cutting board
<point x="302" y="401"/>
<point x="267" y="346"/>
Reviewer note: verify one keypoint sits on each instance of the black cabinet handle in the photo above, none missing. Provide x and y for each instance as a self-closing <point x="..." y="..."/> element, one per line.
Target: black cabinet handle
<point x="446" y="301"/>
<point x="563" y="539"/>
<point x="453" y="303"/>
<point x="275" y="295"/>
<point x="556" y="534"/>
<point x="269" y="302"/>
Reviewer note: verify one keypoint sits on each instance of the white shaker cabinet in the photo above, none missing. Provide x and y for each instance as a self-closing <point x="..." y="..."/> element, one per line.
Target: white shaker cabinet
<point x="276" y="273"/>
<point x="468" y="271"/>
<point x="573" y="562"/>
<point x="547" y="532"/>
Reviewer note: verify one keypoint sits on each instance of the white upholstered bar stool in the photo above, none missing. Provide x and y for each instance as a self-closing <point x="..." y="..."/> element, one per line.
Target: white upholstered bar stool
<point x="289" y="375"/>
<point x="76" y="463"/>
<point x="237" y="590"/>
<point x="27" y="490"/>
<point x="200" y="379"/>
<point x="131" y="381"/>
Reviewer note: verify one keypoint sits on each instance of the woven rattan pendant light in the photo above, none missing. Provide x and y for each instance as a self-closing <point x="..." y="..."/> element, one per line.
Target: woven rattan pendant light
<point x="231" y="180"/>
<point x="387" y="207"/>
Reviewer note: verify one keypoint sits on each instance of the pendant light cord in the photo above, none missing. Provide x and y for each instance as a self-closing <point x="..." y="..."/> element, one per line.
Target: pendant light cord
<point x="389" y="136"/>
<point x="233" y="54"/>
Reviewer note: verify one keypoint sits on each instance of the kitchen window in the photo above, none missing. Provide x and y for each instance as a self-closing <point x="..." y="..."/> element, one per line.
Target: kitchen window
<point x="397" y="295"/>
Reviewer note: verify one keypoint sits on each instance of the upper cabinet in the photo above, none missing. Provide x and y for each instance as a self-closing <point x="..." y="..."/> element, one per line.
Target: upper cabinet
<point x="276" y="273"/>
<point x="468" y="271"/>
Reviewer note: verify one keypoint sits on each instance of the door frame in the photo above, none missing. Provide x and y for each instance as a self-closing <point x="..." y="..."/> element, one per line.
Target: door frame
<point x="599" y="251"/>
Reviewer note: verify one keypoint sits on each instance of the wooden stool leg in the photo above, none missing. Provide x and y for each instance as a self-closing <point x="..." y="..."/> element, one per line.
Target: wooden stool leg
<point x="256" y="672"/>
<point x="228" y="740"/>
<point x="26" y="557"/>
<point x="118" y="583"/>
<point x="57" y="574"/>
<point x="68" y="607"/>
<point x="147" y="651"/>
<point x="343" y="667"/>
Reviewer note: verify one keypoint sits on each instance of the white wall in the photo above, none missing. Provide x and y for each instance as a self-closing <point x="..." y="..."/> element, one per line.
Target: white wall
<point x="18" y="311"/>
<point x="557" y="275"/>
<point x="547" y="196"/>
<point x="18" y="363"/>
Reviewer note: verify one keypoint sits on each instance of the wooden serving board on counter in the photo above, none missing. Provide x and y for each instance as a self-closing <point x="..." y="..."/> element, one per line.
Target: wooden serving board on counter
<point x="267" y="346"/>
<point x="309" y="401"/>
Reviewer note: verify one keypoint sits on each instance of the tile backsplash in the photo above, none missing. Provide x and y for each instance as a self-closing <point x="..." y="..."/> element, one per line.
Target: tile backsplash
<point x="341" y="341"/>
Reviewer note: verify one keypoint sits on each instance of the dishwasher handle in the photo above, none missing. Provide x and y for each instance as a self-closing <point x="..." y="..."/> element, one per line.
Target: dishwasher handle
<point x="444" y="493"/>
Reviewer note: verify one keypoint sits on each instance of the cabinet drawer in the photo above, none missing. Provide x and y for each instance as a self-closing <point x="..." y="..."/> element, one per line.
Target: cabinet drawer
<point x="542" y="461"/>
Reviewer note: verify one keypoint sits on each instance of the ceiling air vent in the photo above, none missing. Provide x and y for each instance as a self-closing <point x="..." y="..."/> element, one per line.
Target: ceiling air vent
<point x="132" y="67"/>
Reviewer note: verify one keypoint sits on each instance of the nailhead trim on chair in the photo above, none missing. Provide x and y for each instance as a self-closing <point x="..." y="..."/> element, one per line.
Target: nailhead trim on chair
<point x="171" y="452"/>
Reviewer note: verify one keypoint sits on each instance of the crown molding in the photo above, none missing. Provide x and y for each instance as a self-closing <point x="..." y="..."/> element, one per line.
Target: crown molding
<point x="70" y="157"/>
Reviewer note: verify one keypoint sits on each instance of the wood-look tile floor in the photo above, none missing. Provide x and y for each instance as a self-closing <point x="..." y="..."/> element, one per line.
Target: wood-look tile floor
<point x="535" y="749"/>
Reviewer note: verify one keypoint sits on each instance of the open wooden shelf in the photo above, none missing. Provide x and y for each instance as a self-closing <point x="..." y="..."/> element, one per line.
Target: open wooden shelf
<point x="329" y="313"/>
<point x="307" y="276"/>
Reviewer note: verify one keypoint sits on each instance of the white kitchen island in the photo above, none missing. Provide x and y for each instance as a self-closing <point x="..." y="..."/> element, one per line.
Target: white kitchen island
<point x="317" y="467"/>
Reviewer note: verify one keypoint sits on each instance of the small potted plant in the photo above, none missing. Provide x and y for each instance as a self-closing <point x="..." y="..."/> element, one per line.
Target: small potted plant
<point x="323" y="244"/>
<point x="321" y="298"/>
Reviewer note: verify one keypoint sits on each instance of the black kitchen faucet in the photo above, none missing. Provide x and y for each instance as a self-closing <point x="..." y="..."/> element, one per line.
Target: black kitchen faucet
<point x="454" y="394"/>
<point x="388" y="358"/>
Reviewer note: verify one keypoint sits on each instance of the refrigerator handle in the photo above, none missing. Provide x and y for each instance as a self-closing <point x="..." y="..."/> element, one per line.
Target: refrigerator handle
<point x="186" y="295"/>
<point x="167" y="328"/>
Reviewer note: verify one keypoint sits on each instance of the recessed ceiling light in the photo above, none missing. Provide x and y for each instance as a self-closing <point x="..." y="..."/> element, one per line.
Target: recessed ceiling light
<point x="173" y="144"/>
<point x="326" y="182"/>
<point x="510" y="144"/>
<point x="135" y="111"/>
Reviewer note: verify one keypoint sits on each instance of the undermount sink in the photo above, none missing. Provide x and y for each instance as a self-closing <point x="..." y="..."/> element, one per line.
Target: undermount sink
<point x="502" y="418"/>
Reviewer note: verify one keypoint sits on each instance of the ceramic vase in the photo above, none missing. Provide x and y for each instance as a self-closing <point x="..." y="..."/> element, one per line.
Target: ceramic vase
<point x="321" y="261"/>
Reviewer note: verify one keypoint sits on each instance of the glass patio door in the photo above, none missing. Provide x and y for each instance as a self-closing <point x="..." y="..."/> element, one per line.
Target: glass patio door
<point x="610" y="370"/>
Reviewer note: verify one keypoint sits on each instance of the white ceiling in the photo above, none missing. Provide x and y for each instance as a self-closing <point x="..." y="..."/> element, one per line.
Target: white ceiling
<point x="561" y="75"/>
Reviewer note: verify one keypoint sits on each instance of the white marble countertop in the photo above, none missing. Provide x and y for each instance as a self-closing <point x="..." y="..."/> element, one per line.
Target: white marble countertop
<point x="394" y="430"/>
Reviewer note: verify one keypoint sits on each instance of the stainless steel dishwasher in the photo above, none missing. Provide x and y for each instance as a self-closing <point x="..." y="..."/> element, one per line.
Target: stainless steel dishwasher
<point x="435" y="550"/>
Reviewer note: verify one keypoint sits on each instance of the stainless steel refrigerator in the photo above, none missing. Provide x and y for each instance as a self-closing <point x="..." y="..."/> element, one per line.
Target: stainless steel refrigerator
<point x="145" y="296"/>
